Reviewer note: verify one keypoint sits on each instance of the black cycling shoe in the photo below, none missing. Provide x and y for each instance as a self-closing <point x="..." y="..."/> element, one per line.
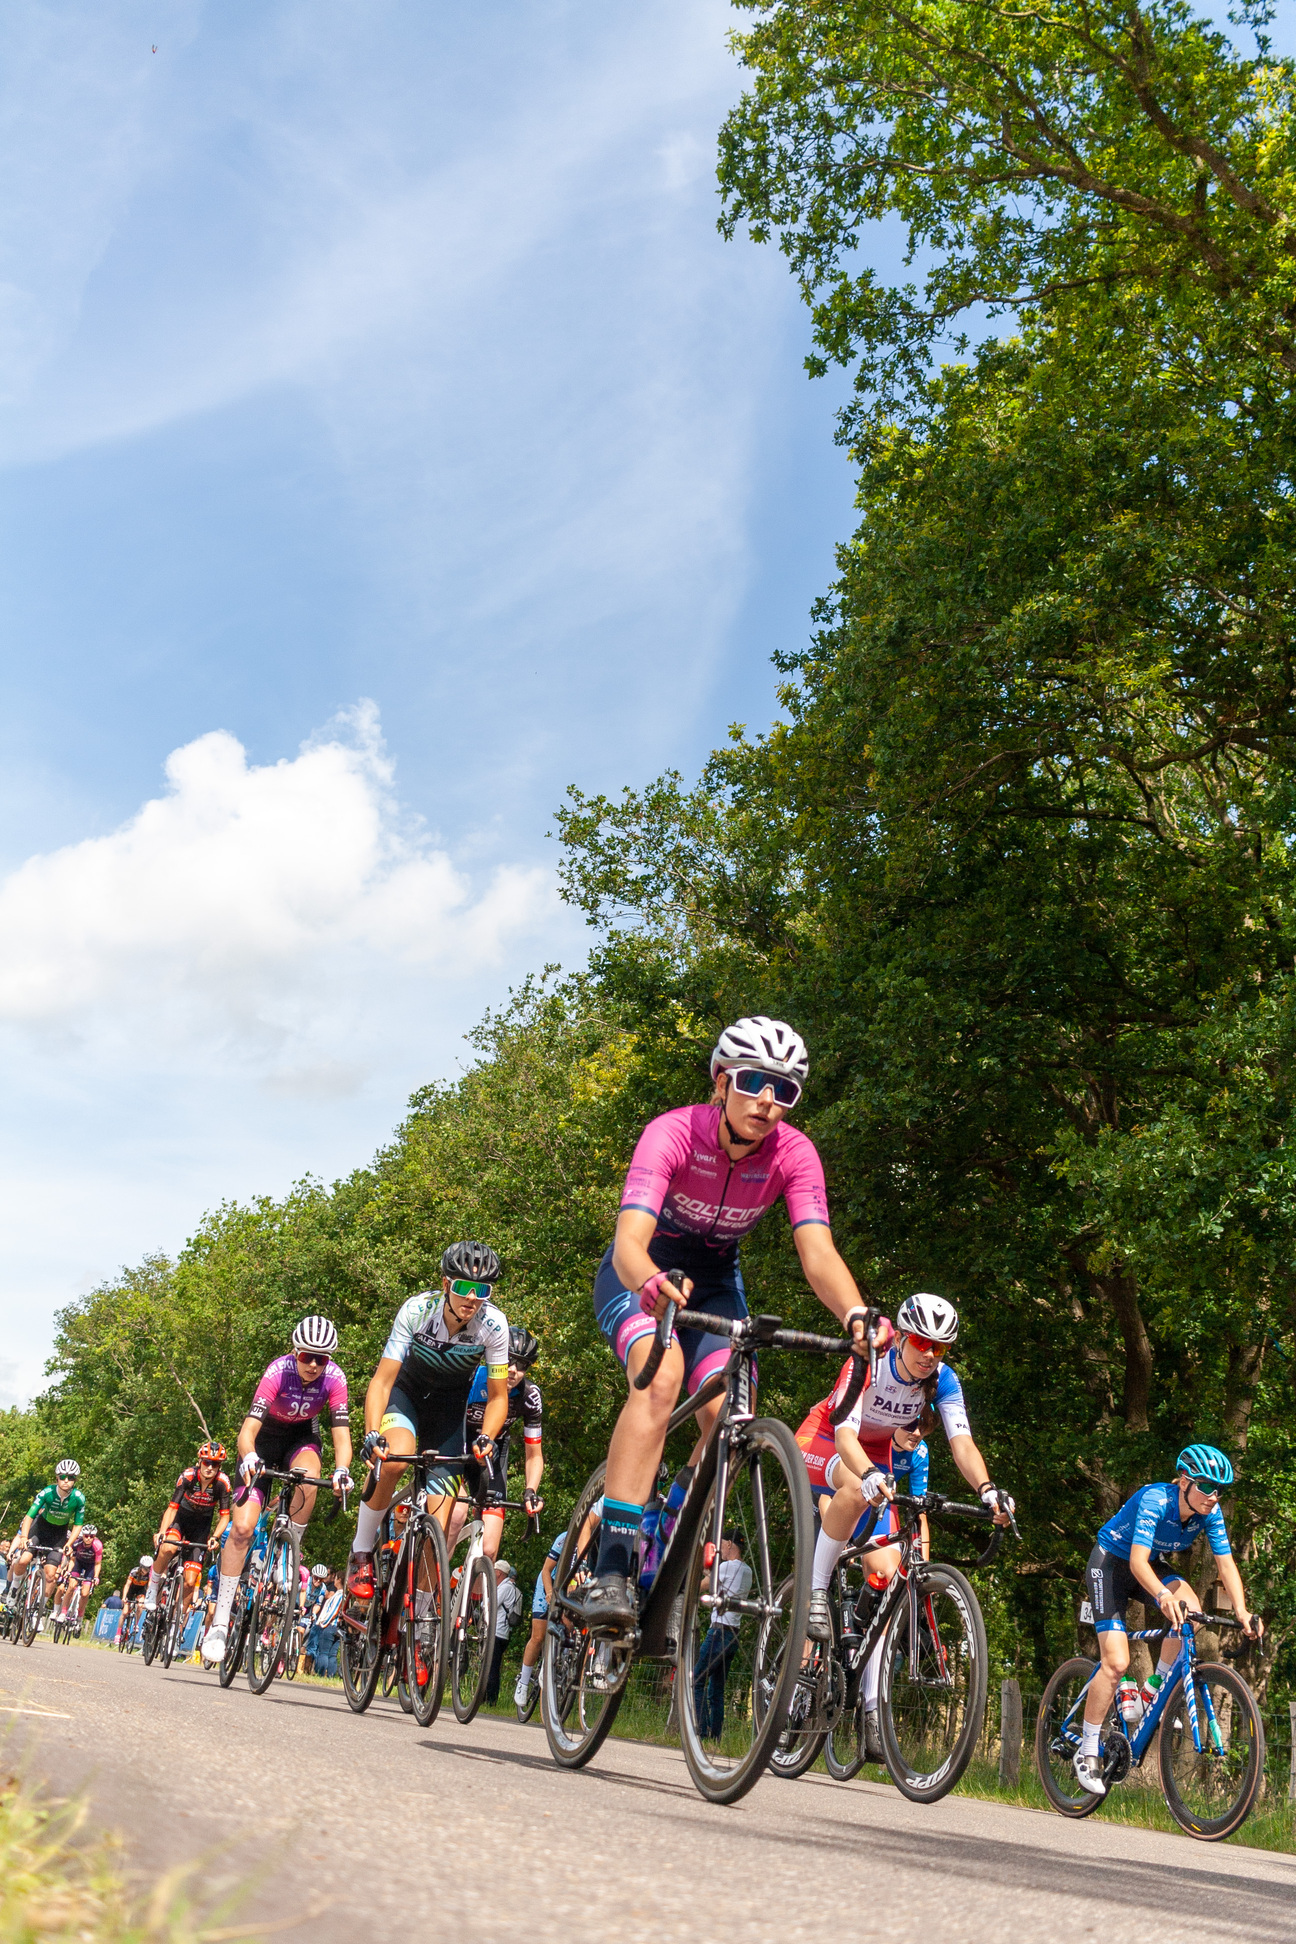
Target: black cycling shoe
<point x="819" y="1624"/>
<point x="872" y="1737"/>
<point x="608" y="1606"/>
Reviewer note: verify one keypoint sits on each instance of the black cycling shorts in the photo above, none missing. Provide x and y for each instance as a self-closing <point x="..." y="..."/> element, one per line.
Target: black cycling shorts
<point x="437" y="1424"/>
<point x="277" y="1445"/>
<point x="42" y="1534"/>
<point x="1112" y="1586"/>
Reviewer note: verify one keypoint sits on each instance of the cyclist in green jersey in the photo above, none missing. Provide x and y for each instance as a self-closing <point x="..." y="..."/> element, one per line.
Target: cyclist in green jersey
<point x="55" y="1518"/>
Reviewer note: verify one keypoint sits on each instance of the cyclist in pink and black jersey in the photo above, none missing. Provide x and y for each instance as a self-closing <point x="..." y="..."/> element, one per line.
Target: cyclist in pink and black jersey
<point x="700" y="1180"/>
<point x="282" y="1431"/>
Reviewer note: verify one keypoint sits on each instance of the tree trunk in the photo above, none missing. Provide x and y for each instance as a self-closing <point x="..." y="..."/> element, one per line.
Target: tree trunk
<point x="1120" y="1289"/>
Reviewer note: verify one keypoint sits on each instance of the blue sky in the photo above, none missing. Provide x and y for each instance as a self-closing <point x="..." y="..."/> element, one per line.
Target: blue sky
<point x="387" y="439"/>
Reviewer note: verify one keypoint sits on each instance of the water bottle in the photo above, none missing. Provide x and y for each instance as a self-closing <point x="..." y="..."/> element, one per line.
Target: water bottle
<point x="650" y="1544"/>
<point x="1130" y="1703"/>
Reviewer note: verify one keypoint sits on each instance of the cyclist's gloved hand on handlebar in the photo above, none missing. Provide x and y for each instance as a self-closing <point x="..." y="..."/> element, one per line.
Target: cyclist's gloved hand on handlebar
<point x="484" y="1449"/>
<point x="342" y="1481"/>
<point x="877" y="1486"/>
<point x="997" y="1502"/>
<point x="667" y="1286"/>
<point x="373" y="1441"/>
<point x="1173" y="1607"/>
<point x="249" y="1467"/>
<point x="532" y="1501"/>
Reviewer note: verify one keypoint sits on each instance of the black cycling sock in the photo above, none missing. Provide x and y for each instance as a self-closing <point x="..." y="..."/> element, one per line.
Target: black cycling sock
<point x="617" y="1534"/>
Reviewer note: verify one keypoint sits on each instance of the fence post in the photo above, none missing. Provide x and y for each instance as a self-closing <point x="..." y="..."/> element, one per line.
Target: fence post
<point x="1291" y="1717"/>
<point x="1010" y="1735"/>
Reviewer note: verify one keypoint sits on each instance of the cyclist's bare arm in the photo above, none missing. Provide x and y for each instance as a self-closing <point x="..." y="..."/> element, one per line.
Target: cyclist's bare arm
<point x="826" y="1273"/>
<point x="247" y="1436"/>
<point x="546" y="1576"/>
<point x="379" y="1392"/>
<point x="630" y="1258"/>
<point x="1170" y="1604"/>
<point x="1231" y="1580"/>
<point x="974" y="1468"/>
<point x="851" y="1452"/>
<point x="533" y="1467"/>
<point x="495" y="1415"/>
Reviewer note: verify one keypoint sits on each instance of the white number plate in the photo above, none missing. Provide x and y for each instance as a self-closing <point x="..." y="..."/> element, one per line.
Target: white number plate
<point x="1086" y="1613"/>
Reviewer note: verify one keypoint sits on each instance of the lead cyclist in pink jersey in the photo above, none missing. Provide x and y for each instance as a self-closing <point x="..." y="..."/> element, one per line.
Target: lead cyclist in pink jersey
<point x="699" y="1181"/>
<point x="282" y="1431"/>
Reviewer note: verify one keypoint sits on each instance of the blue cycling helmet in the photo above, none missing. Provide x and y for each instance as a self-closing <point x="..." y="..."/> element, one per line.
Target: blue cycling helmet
<point x="1204" y="1462"/>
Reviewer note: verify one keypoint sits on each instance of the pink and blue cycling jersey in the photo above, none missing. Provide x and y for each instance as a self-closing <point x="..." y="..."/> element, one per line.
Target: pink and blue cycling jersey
<point x="282" y="1397"/>
<point x="682" y="1176"/>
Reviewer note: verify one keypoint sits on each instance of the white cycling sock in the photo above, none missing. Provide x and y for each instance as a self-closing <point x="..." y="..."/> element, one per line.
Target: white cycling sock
<point x="872" y="1674"/>
<point x="526" y="1677"/>
<point x="826" y="1554"/>
<point x="300" y="1530"/>
<point x="367" y="1524"/>
<point x="225" y="1598"/>
<point x="155" y="1580"/>
<point x="1089" y="1733"/>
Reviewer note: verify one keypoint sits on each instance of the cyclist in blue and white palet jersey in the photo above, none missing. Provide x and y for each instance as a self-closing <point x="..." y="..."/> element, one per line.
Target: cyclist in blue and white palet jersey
<point x="1130" y="1561"/>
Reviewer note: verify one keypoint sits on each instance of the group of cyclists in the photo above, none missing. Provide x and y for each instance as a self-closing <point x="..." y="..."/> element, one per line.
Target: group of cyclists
<point x="454" y="1378"/>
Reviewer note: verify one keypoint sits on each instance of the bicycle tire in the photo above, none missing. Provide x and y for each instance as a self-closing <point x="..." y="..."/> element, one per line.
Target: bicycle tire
<point x="844" y="1743"/>
<point x="474" y="1640"/>
<point x="798" y="1747"/>
<point x="149" y="1638"/>
<point x="274" y="1608"/>
<point x="780" y="1548"/>
<point x="170" y="1630"/>
<point x="1057" y="1738"/>
<point x="525" y="1709"/>
<point x="1180" y="1764"/>
<point x="123" y="1630"/>
<point x="578" y="1701"/>
<point x="236" y="1638"/>
<point x="33" y="1612"/>
<point x="390" y="1674"/>
<point x="425" y="1634"/>
<point x="962" y="1692"/>
<point x="360" y="1653"/>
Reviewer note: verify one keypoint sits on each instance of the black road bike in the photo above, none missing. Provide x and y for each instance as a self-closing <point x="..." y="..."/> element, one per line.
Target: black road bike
<point x="934" y="1674"/>
<point x="751" y="1479"/>
<point x="403" y="1628"/>
<point x="35" y="1602"/>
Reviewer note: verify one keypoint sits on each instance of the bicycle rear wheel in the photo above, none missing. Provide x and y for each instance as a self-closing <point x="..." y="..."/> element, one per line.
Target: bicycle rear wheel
<point x="582" y="1677"/>
<point x="844" y="1747"/>
<point x="1057" y="1740"/>
<point x="474" y="1640"/>
<point x="360" y="1650"/>
<point x="730" y="1721"/>
<point x="423" y="1629"/>
<point x="174" y="1624"/>
<point x="816" y="1700"/>
<point x="932" y="1694"/>
<point x="274" y="1608"/>
<point x="1212" y="1794"/>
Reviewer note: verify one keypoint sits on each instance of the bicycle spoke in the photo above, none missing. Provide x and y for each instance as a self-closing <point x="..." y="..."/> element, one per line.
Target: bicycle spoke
<point x="932" y="1694"/>
<point x="1210" y="1790"/>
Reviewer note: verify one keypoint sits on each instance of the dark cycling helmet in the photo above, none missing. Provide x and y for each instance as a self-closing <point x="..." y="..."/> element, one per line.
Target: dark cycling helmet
<point x="215" y="1454"/>
<point x="523" y="1348"/>
<point x="472" y="1261"/>
<point x="1205" y="1462"/>
<point x="67" y="1468"/>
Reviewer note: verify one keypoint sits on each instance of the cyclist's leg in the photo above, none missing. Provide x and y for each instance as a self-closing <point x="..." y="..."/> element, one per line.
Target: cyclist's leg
<point x="161" y="1566"/>
<point x="1111" y="1585"/>
<point x="401" y="1429"/>
<point x="307" y="1457"/>
<point x="1182" y="1590"/>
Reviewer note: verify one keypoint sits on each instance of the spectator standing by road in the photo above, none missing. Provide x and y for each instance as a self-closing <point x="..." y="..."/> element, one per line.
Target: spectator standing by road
<point x="328" y="1629"/>
<point x="734" y="1582"/>
<point x="507" y="1614"/>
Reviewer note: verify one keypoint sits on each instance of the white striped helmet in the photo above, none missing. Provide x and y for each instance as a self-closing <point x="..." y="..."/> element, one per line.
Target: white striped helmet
<point x="314" y="1333"/>
<point x="761" y="1042"/>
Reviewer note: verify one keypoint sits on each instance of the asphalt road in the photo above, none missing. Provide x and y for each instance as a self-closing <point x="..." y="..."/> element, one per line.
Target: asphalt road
<point x="356" y="1826"/>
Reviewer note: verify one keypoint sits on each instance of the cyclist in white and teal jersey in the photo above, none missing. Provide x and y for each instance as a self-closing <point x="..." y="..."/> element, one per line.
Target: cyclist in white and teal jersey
<point x="1130" y="1561"/>
<point x="54" y="1519"/>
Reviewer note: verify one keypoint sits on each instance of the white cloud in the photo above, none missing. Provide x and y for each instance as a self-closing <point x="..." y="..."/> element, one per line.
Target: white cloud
<point x="249" y="904"/>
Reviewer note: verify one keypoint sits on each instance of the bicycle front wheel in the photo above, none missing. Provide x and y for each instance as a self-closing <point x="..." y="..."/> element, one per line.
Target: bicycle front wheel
<point x="737" y="1680"/>
<point x="236" y="1638"/>
<point x="932" y="1695"/>
<point x="844" y="1748"/>
<point x="474" y="1640"/>
<point x="1211" y="1794"/>
<point x="274" y="1608"/>
<point x="360" y="1651"/>
<point x="423" y="1628"/>
<point x="582" y="1676"/>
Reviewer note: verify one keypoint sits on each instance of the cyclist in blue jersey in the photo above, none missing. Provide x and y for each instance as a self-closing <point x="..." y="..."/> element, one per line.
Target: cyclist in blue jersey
<point x="1130" y="1560"/>
<point x="911" y="1465"/>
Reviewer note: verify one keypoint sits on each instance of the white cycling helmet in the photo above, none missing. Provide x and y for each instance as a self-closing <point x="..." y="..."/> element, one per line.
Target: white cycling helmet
<point x="761" y="1042"/>
<point x="929" y="1316"/>
<point x="67" y="1468"/>
<point x="319" y="1572"/>
<point x="146" y="1559"/>
<point x="314" y="1333"/>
